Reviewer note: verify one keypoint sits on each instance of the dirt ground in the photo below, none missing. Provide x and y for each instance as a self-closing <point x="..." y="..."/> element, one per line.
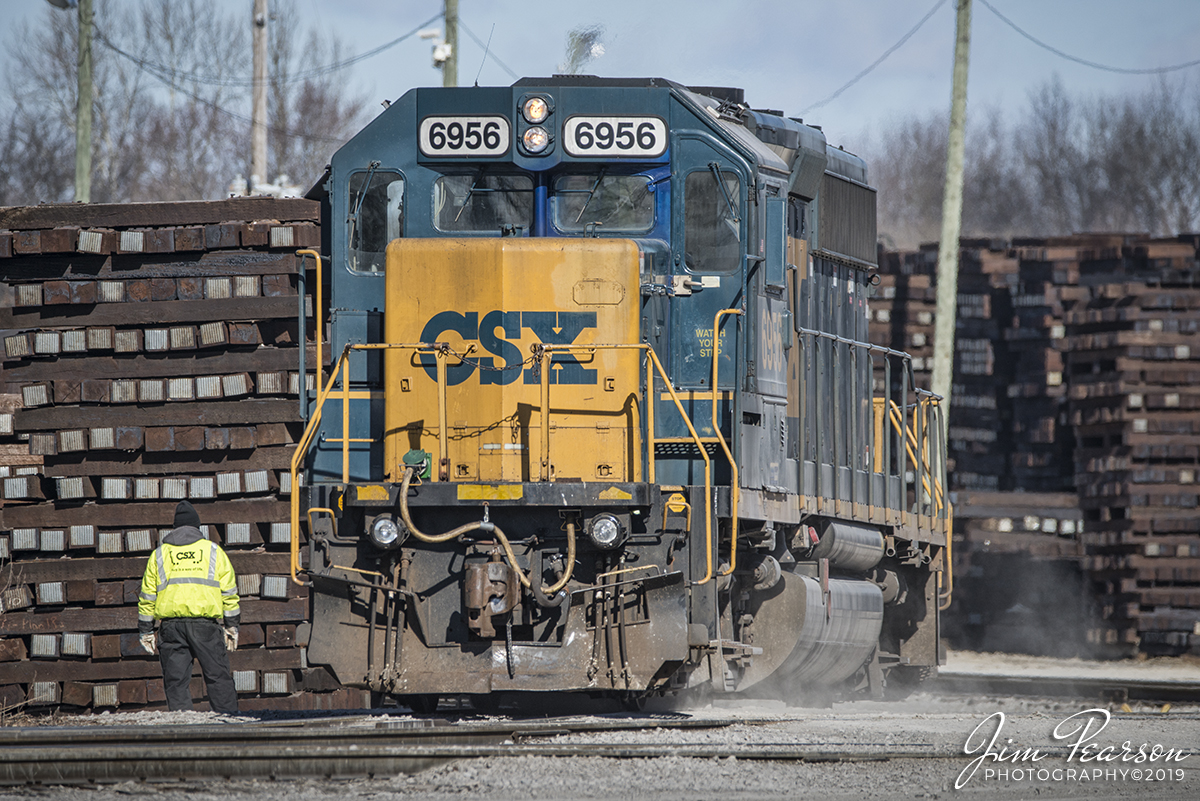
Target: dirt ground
<point x="1064" y="749"/>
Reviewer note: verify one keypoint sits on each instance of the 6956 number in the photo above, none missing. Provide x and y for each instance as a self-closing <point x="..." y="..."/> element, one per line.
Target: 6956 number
<point x="615" y="136"/>
<point x="464" y="136"/>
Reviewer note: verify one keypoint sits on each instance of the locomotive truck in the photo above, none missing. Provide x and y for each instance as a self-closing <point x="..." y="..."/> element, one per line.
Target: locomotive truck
<point x="600" y="414"/>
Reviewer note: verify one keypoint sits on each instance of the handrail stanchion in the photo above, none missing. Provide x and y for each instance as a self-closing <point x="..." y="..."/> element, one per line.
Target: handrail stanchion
<point x="345" y="421"/>
<point x="653" y="365"/>
<point x="544" y="387"/>
<point x="316" y="317"/>
<point x="443" y="435"/>
<point x="696" y="438"/>
<point x="297" y="457"/>
<point x="708" y="535"/>
<point x="651" y="402"/>
<point x="734" y="482"/>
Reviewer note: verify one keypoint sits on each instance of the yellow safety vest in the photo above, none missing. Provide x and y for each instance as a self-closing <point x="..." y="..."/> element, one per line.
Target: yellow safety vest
<point x="193" y="580"/>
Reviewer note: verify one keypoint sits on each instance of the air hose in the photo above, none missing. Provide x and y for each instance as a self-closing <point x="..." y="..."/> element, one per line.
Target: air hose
<point x="545" y="596"/>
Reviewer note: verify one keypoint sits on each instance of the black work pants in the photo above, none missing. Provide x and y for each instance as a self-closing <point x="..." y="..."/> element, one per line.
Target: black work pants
<point x="180" y="640"/>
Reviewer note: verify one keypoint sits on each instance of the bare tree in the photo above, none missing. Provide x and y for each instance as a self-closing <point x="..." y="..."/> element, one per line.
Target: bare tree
<point x="908" y="165"/>
<point x="194" y="141"/>
<point x="996" y="198"/>
<point x="39" y="137"/>
<point x="171" y="82"/>
<point x="1122" y="163"/>
<point x="311" y="115"/>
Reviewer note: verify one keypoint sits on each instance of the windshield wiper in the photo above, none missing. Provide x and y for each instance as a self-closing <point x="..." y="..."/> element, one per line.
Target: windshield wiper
<point x="715" y="169"/>
<point x="591" y="194"/>
<point x="374" y="165"/>
<point x="470" y="193"/>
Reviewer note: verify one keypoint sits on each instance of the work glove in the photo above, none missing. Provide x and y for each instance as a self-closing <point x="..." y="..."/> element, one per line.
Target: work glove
<point x="147" y="641"/>
<point x="231" y="635"/>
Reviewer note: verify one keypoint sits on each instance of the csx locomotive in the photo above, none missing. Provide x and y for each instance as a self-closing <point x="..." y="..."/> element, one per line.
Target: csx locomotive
<point x="600" y="414"/>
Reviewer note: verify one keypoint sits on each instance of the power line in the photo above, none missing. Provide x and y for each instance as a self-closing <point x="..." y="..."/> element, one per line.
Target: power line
<point x="150" y="69"/>
<point x="877" y="61"/>
<point x="171" y="78"/>
<point x="216" y="80"/>
<point x="487" y="52"/>
<point x="1083" y="61"/>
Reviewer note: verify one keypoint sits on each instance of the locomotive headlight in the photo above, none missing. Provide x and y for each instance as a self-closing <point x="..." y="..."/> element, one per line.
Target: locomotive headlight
<point x="606" y="532"/>
<point x="385" y="533"/>
<point x="536" y="139"/>
<point x="535" y="110"/>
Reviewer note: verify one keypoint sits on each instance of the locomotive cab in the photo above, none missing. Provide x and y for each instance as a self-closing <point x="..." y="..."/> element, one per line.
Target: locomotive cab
<point x="600" y="414"/>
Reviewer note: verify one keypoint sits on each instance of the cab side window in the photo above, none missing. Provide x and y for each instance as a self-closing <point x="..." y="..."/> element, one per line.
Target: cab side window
<point x="376" y="217"/>
<point x="712" y="221"/>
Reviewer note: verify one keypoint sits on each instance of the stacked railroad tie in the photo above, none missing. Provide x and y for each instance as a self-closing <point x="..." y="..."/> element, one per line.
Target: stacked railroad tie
<point x="1016" y="554"/>
<point x="903" y="314"/>
<point x="1041" y="439"/>
<point x="1134" y="399"/>
<point x="979" y="408"/>
<point x="1076" y="365"/>
<point x="903" y="308"/>
<point x="150" y="354"/>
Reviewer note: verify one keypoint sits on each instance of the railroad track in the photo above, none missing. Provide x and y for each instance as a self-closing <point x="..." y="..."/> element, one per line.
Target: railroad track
<point x="1109" y="690"/>
<point x="364" y="746"/>
<point x="333" y="749"/>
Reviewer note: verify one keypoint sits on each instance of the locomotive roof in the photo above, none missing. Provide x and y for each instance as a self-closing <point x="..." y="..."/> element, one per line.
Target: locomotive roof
<point x="771" y="139"/>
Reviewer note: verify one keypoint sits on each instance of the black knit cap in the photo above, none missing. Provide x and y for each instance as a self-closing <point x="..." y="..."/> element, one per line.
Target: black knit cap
<point x="185" y="515"/>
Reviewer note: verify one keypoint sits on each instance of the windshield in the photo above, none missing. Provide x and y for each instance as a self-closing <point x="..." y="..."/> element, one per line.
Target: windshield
<point x="482" y="202"/>
<point x="616" y="203"/>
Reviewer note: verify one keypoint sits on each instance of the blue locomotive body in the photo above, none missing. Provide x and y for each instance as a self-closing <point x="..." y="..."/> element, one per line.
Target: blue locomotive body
<point x="707" y="476"/>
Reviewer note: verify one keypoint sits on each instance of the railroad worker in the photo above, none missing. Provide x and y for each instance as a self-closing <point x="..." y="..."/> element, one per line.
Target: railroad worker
<point x="189" y="585"/>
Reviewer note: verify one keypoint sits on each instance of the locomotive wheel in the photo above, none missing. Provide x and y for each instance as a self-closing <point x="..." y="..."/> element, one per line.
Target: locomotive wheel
<point x="633" y="702"/>
<point x="486" y="703"/>
<point x="423" y="704"/>
<point x="904" y="680"/>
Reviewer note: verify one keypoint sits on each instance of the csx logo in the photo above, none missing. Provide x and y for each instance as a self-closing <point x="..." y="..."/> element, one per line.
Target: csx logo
<point x="178" y="557"/>
<point x="494" y="334"/>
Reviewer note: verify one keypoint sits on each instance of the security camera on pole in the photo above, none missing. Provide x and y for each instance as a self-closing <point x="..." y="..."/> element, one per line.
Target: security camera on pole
<point x="445" y="51"/>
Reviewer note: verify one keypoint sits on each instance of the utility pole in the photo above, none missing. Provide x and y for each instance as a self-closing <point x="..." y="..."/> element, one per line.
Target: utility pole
<point x="83" y="107"/>
<point x="450" y="66"/>
<point x="258" y="121"/>
<point x="947" y="267"/>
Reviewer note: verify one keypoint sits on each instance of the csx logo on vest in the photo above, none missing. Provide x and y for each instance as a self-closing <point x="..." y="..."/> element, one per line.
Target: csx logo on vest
<point x="185" y="558"/>
<point x="493" y="333"/>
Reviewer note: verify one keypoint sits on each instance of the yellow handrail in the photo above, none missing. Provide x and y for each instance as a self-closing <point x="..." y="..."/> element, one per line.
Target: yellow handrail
<point x="911" y="446"/>
<point x="314" y="423"/>
<point x="936" y="492"/>
<point x="543" y="355"/>
<point x="946" y="595"/>
<point x="297" y="456"/>
<point x="734" y="482"/>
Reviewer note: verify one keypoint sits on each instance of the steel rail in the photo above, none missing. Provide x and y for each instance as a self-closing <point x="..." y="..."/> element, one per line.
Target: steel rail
<point x="287" y="749"/>
<point x="1098" y="687"/>
<point x="344" y="730"/>
<point x="289" y="760"/>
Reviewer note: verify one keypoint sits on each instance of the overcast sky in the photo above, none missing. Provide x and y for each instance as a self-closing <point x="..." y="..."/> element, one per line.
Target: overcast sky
<point x="786" y="54"/>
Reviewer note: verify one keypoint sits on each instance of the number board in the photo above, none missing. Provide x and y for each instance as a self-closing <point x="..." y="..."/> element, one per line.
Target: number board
<point x="623" y="137"/>
<point x="464" y="136"/>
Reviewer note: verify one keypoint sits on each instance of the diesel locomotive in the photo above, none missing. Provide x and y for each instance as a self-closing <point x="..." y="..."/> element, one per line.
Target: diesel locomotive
<point x="600" y="414"/>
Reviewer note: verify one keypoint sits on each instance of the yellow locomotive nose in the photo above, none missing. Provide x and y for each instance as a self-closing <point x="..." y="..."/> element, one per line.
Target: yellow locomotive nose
<point x="485" y="318"/>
